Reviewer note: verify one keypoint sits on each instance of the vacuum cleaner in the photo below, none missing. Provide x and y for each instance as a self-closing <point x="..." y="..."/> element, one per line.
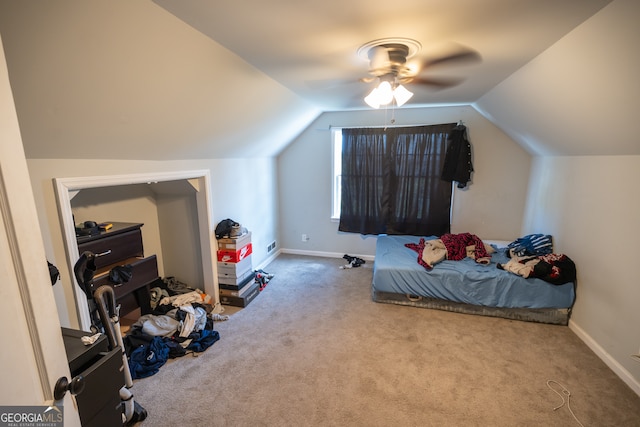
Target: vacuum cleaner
<point x="105" y="318"/>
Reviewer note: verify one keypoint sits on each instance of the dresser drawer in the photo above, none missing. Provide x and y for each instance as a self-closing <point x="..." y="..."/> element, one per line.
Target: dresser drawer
<point x="135" y="292"/>
<point x="143" y="271"/>
<point x="119" y="247"/>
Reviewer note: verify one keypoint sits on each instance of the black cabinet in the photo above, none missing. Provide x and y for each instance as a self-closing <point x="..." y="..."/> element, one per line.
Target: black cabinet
<point x="99" y="403"/>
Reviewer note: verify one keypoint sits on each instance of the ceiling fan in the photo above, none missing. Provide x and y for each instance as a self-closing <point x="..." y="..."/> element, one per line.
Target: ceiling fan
<point x="389" y="63"/>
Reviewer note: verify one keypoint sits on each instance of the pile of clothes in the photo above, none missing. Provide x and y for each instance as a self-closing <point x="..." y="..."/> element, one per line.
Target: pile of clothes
<point x="529" y="256"/>
<point x="352" y="261"/>
<point x="262" y="278"/>
<point x="454" y="247"/>
<point x="532" y="256"/>
<point x="181" y="323"/>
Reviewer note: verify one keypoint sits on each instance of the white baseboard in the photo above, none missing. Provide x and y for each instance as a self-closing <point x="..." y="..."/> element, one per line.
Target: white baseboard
<point x="268" y="261"/>
<point x="616" y="367"/>
<point x="325" y="254"/>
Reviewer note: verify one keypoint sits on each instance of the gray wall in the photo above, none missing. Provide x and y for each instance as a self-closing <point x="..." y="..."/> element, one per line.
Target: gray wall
<point x="124" y="203"/>
<point x="590" y="205"/>
<point x="491" y="207"/>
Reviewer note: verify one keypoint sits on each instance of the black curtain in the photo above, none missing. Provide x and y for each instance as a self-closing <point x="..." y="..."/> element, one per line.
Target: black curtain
<point x="391" y="180"/>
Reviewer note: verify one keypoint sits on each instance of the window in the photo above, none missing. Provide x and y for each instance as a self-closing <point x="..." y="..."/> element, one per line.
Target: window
<point x="391" y="180"/>
<point x="336" y="190"/>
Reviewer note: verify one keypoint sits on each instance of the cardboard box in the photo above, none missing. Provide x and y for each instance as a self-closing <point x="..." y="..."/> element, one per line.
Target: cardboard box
<point x="231" y="244"/>
<point x="235" y="255"/>
<point x="234" y="269"/>
<point x="228" y="279"/>
<point x="244" y="299"/>
<point x="236" y="281"/>
<point x="243" y="289"/>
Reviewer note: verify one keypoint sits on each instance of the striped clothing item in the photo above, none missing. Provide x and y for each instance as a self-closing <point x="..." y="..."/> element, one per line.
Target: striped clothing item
<point x="532" y="244"/>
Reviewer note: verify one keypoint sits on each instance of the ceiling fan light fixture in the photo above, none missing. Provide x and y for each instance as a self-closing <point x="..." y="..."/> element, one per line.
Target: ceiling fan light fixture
<point x="384" y="95"/>
<point x="372" y="99"/>
<point x="401" y="94"/>
<point x="390" y="64"/>
<point x="380" y="95"/>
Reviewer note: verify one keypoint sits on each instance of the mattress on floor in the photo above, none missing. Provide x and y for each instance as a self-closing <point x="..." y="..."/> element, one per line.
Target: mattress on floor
<point x="397" y="272"/>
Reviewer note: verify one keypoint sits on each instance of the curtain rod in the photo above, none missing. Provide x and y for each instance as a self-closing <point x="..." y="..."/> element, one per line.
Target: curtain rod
<point x="393" y="126"/>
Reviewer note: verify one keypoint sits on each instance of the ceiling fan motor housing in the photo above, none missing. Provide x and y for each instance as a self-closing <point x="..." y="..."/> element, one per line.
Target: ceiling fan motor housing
<point x="391" y="59"/>
<point x="388" y="58"/>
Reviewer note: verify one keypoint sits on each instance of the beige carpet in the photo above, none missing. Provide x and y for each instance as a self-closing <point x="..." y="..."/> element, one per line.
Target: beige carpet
<point x="314" y="350"/>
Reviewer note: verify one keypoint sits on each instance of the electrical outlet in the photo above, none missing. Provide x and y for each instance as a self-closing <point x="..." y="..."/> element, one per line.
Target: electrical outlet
<point x="305" y="238"/>
<point x="271" y="246"/>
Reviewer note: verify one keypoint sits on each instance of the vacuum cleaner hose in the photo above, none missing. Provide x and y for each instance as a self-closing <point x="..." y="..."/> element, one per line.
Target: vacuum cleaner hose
<point x="106" y="304"/>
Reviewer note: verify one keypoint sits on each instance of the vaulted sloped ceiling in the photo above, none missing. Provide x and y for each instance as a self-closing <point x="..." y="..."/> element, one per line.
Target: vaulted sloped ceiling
<point x="169" y="79"/>
<point x="581" y="96"/>
<point x="311" y="47"/>
<point x="126" y="79"/>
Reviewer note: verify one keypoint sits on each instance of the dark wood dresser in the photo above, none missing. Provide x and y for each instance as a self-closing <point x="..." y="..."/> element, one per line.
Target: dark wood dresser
<point x="122" y="245"/>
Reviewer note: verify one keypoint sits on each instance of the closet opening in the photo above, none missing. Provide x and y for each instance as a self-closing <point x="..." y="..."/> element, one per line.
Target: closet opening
<point x="174" y="208"/>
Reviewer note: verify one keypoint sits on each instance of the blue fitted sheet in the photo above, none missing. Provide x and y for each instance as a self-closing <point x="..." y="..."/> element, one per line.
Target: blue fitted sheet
<point x="397" y="271"/>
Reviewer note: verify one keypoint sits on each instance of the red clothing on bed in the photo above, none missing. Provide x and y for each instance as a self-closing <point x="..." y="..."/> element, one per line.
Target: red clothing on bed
<point x="456" y="245"/>
<point x="456" y="249"/>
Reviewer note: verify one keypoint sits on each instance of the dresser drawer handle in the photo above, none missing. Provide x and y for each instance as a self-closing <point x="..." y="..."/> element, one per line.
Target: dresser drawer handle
<point x="107" y="252"/>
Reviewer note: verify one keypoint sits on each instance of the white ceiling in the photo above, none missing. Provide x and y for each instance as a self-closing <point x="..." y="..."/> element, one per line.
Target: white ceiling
<point x="196" y="79"/>
<point x="311" y="46"/>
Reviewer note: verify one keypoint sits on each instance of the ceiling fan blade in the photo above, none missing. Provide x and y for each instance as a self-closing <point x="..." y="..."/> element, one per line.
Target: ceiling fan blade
<point x="366" y="79"/>
<point x="464" y="55"/>
<point x="437" y="82"/>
